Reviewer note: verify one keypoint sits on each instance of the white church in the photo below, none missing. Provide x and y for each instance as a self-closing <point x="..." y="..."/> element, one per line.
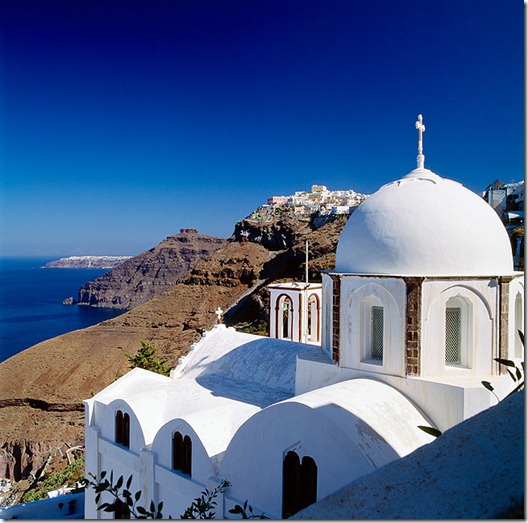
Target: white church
<point x="423" y="298"/>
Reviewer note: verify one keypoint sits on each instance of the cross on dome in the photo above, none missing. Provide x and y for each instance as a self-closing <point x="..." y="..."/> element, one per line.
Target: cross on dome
<point x="421" y="129"/>
<point x="219" y="313"/>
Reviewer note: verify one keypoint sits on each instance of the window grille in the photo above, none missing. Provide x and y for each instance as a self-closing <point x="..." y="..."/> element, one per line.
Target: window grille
<point x="376" y="347"/>
<point x="453" y="335"/>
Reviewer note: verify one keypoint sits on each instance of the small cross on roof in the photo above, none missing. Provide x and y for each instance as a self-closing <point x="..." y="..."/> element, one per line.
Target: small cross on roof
<point x="219" y="313"/>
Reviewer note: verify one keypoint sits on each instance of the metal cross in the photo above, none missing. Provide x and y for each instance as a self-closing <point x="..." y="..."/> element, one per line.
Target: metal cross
<point x="219" y="313"/>
<point x="421" y="129"/>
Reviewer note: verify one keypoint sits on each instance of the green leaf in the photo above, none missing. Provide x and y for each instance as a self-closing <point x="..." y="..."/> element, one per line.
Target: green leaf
<point x="119" y="483"/>
<point x="488" y="385"/>
<point x="521" y="335"/>
<point x="137" y="495"/>
<point x="430" y="430"/>
<point x="502" y="361"/>
<point x="129" y="482"/>
<point x="141" y="510"/>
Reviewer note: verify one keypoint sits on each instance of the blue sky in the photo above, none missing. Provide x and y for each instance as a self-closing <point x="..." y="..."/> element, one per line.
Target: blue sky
<point x="123" y="121"/>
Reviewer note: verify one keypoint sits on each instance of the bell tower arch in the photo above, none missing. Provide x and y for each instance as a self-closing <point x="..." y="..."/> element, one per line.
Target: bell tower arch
<point x="295" y="311"/>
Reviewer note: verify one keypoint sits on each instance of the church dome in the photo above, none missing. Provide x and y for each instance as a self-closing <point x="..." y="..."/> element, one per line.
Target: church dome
<point x="424" y="225"/>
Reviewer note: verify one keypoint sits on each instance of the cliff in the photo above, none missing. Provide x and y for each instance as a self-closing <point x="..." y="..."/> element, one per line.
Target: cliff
<point x="42" y="388"/>
<point x="142" y="277"/>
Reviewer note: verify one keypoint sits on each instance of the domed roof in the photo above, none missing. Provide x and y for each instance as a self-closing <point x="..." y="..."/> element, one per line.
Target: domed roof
<point x="424" y="225"/>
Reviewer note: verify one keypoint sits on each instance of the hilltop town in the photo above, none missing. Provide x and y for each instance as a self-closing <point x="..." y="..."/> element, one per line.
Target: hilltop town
<point x="320" y="200"/>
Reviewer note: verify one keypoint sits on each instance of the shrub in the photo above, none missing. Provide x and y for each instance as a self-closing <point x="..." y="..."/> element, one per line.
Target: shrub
<point x="145" y="359"/>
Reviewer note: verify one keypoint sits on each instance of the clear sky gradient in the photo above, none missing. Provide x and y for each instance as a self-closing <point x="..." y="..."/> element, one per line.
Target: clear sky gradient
<point x="123" y="121"/>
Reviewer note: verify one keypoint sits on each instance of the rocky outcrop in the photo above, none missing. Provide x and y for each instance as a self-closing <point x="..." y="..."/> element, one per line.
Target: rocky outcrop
<point x="152" y="272"/>
<point x="274" y="227"/>
<point x="20" y="458"/>
<point x="279" y="227"/>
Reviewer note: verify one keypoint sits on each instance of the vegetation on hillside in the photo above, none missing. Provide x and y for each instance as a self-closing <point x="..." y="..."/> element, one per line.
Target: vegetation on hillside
<point x="70" y="476"/>
<point x="145" y="358"/>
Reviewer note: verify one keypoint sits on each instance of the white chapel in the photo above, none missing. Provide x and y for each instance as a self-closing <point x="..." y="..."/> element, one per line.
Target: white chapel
<point x="422" y="299"/>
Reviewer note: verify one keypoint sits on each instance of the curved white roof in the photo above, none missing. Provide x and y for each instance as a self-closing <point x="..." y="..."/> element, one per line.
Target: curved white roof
<point x="474" y="471"/>
<point x="358" y="403"/>
<point x="424" y="225"/>
<point x="232" y="373"/>
<point x="349" y="429"/>
<point x="257" y="362"/>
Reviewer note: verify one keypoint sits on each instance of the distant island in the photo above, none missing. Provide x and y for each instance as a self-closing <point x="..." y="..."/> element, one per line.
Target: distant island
<point x="87" y="262"/>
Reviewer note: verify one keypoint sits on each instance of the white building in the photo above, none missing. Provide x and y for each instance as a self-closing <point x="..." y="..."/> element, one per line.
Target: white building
<point x="412" y="318"/>
<point x="296" y="310"/>
<point x="320" y="199"/>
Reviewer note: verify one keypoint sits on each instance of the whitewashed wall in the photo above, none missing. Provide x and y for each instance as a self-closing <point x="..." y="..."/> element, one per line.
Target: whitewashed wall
<point x="391" y="293"/>
<point x="254" y="459"/>
<point x="482" y="295"/>
<point x="516" y="319"/>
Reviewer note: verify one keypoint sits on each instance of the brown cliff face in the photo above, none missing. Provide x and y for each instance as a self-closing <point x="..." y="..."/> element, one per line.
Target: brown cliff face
<point x="152" y="272"/>
<point x="276" y="228"/>
<point x="42" y="388"/>
<point x="17" y="457"/>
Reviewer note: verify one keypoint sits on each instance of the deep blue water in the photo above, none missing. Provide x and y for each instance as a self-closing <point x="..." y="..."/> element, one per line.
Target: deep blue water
<point x="31" y="307"/>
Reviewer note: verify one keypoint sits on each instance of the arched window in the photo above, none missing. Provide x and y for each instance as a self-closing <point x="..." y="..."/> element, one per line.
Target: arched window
<point x="519" y="325"/>
<point x="453" y="335"/>
<point x="181" y="453"/>
<point x="376" y="333"/>
<point x="122" y="428"/>
<point x="285" y="317"/>
<point x="456" y="332"/>
<point x="313" y="318"/>
<point x="373" y="330"/>
<point x="299" y="483"/>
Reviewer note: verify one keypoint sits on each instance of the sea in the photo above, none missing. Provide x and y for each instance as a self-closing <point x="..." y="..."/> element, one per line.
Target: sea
<point x="31" y="308"/>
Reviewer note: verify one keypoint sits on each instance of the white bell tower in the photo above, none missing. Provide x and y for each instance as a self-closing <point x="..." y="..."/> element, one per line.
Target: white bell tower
<point x="295" y="312"/>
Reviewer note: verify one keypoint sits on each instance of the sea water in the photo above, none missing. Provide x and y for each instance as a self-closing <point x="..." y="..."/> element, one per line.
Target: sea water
<point x="31" y="308"/>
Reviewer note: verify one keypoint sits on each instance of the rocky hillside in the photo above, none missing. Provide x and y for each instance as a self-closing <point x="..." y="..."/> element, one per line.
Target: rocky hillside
<point x="42" y="388"/>
<point x="152" y="272"/>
